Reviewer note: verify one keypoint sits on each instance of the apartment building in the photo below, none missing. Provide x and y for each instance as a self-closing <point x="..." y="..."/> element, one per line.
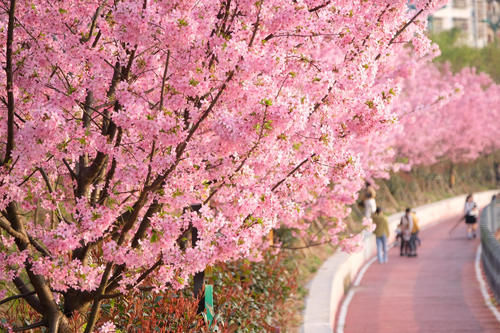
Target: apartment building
<point x="469" y="16"/>
<point x="493" y="19"/>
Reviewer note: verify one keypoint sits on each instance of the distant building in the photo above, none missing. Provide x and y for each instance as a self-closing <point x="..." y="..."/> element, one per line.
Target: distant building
<point x="492" y="19"/>
<point x="469" y="16"/>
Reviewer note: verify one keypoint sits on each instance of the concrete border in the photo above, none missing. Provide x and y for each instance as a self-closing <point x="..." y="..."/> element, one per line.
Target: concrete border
<point x="335" y="275"/>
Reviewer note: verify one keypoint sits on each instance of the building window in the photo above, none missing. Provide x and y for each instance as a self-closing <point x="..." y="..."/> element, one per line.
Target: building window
<point x="459" y="4"/>
<point x="461" y="24"/>
<point x="437" y="24"/>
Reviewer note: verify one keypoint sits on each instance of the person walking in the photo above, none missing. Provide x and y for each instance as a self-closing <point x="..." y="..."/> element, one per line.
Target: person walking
<point x="414" y="240"/>
<point x="406" y="228"/>
<point x="471" y="211"/>
<point x="368" y="198"/>
<point x="381" y="234"/>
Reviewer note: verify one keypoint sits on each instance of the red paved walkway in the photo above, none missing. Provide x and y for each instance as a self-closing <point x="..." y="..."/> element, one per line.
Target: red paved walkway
<point x="435" y="292"/>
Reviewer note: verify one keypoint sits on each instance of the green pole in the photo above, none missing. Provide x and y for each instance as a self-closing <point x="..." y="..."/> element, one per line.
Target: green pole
<point x="209" y="303"/>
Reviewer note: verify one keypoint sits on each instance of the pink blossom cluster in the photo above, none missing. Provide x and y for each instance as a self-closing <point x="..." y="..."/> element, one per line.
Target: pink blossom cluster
<point x="446" y="116"/>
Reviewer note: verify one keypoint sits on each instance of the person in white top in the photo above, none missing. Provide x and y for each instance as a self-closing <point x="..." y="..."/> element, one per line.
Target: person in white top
<point x="368" y="198"/>
<point x="471" y="212"/>
<point x="406" y="225"/>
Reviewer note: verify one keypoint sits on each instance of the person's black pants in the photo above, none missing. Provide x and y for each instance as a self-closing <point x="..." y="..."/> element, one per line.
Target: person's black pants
<point x="405" y="247"/>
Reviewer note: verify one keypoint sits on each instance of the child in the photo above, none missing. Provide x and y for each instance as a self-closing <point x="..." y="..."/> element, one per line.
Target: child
<point x="399" y="237"/>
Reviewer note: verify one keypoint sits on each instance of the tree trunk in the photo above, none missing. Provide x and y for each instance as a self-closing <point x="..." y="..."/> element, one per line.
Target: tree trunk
<point x="64" y="326"/>
<point x="452" y="175"/>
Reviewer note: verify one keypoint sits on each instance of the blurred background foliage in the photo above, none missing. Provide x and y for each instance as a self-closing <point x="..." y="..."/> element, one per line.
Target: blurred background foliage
<point x="486" y="59"/>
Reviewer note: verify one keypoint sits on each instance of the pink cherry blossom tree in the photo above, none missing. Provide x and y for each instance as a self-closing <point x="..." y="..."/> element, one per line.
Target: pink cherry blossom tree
<point x="447" y="116"/>
<point x="146" y="140"/>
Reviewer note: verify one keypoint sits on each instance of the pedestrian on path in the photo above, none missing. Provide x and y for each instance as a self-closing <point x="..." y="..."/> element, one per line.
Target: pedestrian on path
<point x="471" y="211"/>
<point x="381" y="234"/>
<point x="368" y="199"/>
<point x="399" y="236"/>
<point x="414" y="239"/>
<point x="406" y="228"/>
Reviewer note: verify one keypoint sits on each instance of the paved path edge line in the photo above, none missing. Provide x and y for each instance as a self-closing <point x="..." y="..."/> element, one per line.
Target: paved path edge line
<point x="350" y="294"/>
<point x="483" y="286"/>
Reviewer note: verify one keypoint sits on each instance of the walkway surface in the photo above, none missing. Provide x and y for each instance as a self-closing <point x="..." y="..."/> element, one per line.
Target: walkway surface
<point x="435" y="292"/>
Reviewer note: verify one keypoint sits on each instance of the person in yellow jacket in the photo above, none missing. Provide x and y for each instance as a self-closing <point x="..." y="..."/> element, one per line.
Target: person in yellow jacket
<point x="381" y="234"/>
<point x="414" y="235"/>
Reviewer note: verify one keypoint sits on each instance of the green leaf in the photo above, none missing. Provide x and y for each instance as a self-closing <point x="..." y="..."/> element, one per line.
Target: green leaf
<point x="266" y="102"/>
<point x="268" y="125"/>
<point x="182" y="22"/>
<point x="177" y="193"/>
<point x="154" y="236"/>
<point x="282" y="136"/>
<point x="71" y="90"/>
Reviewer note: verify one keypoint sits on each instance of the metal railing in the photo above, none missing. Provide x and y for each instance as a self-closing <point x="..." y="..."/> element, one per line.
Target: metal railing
<point x="490" y="257"/>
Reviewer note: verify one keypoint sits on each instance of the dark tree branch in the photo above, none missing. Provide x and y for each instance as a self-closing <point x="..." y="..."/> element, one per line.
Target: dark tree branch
<point x="275" y="187"/>
<point x="39" y="247"/>
<point x="314" y="9"/>
<point x="71" y="172"/>
<point x="92" y="26"/>
<point x="32" y="300"/>
<point x="247" y="156"/>
<point x="300" y="247"/>
<point x="163" y="80"/>
<point x="47" y="303"/>
<point x="46" y="179"/>
<point x="400" y="31"/>
<point x="54" y="322"/>
<point x="11" y="298"/>
<point x="10" y="84"/>
<point x="92" y="318"/>
<point x="256" y="24"/>
<point x="30" y="327"/>
<point x="111" y="172"/>
<point x="146" y="273"/>
<point x="11" y="231"/>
